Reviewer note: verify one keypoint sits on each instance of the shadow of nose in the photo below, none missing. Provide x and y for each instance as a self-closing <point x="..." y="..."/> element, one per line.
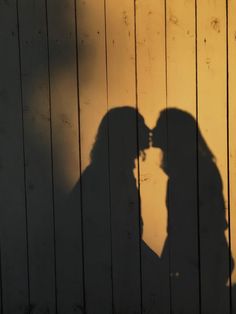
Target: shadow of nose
<point x="153" y="134"/>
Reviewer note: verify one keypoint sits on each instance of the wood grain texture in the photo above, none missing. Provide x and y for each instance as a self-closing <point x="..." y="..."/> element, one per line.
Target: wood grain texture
<point x="123" y="149"/>
<point x="182" y="240"/>
<point x="232" y="132"/>
<point x="94" y="180"/>
<point x="38" y="167"/>
<point x="94" y="220"/>
<point x="62" y="41"/>
<point x="151" y="92"/>
<point x="212" y="117"/>
<point x="14" y="263"/>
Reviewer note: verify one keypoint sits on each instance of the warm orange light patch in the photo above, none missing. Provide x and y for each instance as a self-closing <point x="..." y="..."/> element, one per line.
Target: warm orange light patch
<point x="156" y="46"/>
<point x="153" y="183"/>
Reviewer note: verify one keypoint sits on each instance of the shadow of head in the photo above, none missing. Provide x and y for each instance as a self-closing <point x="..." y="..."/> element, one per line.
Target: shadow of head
<point x="178" y="136"/>
<point x="123" y="133"/>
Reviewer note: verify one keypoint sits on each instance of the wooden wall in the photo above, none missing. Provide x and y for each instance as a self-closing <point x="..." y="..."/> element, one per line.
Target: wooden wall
<point x="64" y="64"/>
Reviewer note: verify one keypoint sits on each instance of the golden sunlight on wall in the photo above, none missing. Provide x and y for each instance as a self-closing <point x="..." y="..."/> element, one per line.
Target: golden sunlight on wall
<point x="153" y="183"/>
<point x="64" y="66"/>
<point x="166" y="77"/>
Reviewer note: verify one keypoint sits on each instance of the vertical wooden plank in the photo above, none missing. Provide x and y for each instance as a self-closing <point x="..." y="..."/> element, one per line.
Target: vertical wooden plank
<point x="94" y="153"/>
<point x="181" y="55"/>
<point x="181" y="246"/>
<point x="151" y="79"/>
<point x="213" y="187"/>
<point x="61" y="20"/>
<point x="36" y="117"/>
<point x="123" y="149"/>
<point x="92" y="72"/>
<point x="232" y="136"/>
<point x="12" y="199"/>
<point x="120" y="53"/>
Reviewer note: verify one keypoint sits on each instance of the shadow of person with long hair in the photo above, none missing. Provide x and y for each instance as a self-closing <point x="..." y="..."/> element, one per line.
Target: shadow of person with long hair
<point x="195" y="251"/>
<point x="111" y="218"/>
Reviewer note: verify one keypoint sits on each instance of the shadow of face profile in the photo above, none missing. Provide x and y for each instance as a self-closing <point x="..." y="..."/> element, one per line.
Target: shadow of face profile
<point x="176" y="133"/>
<point x="111" y="215"/>
<point x="196" y="214"/>
<point x="126" y="133"/>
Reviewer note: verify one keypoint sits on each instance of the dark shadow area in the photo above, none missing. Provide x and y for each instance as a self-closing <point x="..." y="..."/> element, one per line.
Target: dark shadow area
<point x="196" y="250"/>
<point x="111" y="215"/>
<point x="121" y="273"/>
<point x="233" y="295"/>
<point x="39" y="242"/>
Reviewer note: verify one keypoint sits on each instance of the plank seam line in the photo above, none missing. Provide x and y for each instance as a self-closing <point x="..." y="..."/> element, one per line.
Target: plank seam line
<point x="167" y="147"/>
<point x="197" y="159"/>
<point x="138" y="146"/>
<point x="52" y="162"/>
<point x="80" y="154"/>
<point x="23" y="152"/>
<point x="228" y="151"/>
<point x="108" y="147"/>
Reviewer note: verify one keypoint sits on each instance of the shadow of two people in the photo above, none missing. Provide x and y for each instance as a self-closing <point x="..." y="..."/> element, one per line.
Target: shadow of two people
<point x="118" y="264"/>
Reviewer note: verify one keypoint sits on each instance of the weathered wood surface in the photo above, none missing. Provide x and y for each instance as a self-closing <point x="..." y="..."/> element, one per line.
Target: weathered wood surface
<point x="13" y="213"/>
<point x="92" y="219"/>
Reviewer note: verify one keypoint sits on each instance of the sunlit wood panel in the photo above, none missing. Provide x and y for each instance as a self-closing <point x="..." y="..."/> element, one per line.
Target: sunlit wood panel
<point x="72" y="75"/>
<point x="61" y="22"/>
<point x="212" y="117"/>
<point x="92" y="72"/>
<point x="181" y="69"/>
<point x="37" y="148"/>
<point x="120" y="53"/>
